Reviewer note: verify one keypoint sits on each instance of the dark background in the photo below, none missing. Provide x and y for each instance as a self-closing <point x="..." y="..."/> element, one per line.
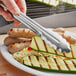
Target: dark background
<point x="35" y="10"/>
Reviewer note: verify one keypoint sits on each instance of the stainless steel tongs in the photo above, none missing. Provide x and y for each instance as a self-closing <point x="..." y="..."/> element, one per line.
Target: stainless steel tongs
<point x="51" y="38"/>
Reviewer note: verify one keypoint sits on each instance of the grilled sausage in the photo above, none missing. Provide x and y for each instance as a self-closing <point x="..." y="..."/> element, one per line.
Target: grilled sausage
<point x="62" y="32"/>
<point x="17" y="47"/>
<point x="70" y="39"/>
<point x="10" y="40"/>
<point x="20" y="32"/>
<point x="59" y="30"/>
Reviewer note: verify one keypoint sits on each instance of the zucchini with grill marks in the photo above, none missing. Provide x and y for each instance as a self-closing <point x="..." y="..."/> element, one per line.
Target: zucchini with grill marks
<point x="61" y="64"/>
<point x="73" y="46"/>
<point x="69" y="2"/>
<point x="50" y="64"/>
<point x="53" y="3"/>
<point x="34" y="61"/>
<point x="70" y="65"/>
<point x="37" y="44"/>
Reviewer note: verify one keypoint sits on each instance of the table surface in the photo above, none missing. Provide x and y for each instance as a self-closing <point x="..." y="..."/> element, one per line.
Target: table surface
<point x="6" y="69"/>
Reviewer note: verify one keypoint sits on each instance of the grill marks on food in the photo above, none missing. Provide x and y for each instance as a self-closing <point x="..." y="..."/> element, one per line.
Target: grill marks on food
<point x="74" y="63"/>
<point x="50" y="2"/>
<point x="73" y="47"/>
<point x="20" y="33"/>
<point x="30" y="61"/>
<point x="72" y="52"/>
<point x="50" y="63"/>
<point x="69" y="55"/>
<point x="66" y="65"/>
<point x="43" y="47"/>
<point x="36" y="44"/>
<point x="57" y="64"/>
<point x="70" y="65"/>
<point x="38" y="61"/>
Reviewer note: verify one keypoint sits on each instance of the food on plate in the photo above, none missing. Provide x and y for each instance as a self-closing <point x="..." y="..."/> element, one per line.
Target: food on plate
<point x="53" y="3"/>
<point x="59" y="30"/>
<point x="70" y="37"/>
<point x="12" y="48"/>
<point x="50" y="64"/>
<point x="39" y="45"/>
<point x="20" y="32"/>
<point x="11" y="40"/>
<point x="15" y="39"/>
<point x="46" y="62"/>
<point x="30" y="50"/>
<point x="66" y="35"/>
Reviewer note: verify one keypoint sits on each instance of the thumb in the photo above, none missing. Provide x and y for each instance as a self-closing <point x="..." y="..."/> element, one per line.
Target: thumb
<point x="11" y="6"/>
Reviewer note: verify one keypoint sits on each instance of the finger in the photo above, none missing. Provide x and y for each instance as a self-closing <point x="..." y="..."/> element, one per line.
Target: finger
<point x="6" y="15"/>
<point x="11" y="6"/>
<point x="22" y="5"/>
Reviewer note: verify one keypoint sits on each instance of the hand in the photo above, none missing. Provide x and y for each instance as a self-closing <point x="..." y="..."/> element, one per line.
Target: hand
<point x="15" y="7"/>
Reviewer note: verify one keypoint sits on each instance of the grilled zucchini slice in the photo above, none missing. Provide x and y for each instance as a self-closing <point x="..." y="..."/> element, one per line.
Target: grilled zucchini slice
<point x="69" y="2"/>
<point x="53" y="3"/>
<point x="38" y="44"/>
<point x="73" y="46"/>
<point x="50" y="64"/>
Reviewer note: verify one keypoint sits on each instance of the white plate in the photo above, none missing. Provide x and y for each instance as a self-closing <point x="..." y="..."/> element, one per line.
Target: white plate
<point x="11" y="60"/>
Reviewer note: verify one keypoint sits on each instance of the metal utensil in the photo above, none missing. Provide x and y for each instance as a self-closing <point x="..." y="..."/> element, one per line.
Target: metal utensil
<point x="51" y="38"/>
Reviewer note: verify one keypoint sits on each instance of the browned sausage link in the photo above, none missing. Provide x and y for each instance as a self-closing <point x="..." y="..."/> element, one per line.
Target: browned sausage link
<point x="10" y="40"/>
<point x="17" y="47"/>
<point x="59" y="30"/>
<point x="68" y="38"/>
<point x="21" y="32"/>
